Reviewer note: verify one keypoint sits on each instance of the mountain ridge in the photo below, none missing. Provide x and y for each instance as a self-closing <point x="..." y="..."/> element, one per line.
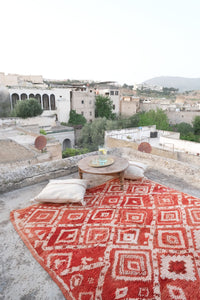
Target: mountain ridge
<point x="181" y="83"/>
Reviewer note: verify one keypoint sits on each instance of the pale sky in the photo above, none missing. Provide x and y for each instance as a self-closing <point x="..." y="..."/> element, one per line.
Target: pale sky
<point x="128" y="41"/>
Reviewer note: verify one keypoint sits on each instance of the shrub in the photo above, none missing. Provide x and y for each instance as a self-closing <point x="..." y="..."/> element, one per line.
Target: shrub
<point x="42" y="131"/>
<point x="27" y="108"/>
<point x="68" y="152"/>
<point x="184" y="128"/>
<point x="4" y="102"/>
<point x="76" y="119"/>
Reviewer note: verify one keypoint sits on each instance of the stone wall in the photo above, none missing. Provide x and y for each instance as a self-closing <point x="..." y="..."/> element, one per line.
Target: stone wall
<point x="138" y="133"/>
<point x="186" y="171"/>
<point x="83" y="102"/>
<point x="182" y="116"/>
<point x="116" y="143"/>
<point x="129" y="108"/>
<point x="54" y="150"/>
<point x="40" y="121"/>
<point x="29" y="175"/>
<point x="181" y="145"/>
<point x="181" y="156"/>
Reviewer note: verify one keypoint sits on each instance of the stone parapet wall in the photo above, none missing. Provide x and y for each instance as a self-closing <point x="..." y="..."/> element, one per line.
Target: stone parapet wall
<point x="181" y="145"/>
<point x="187" y="172"/>
<point x="112" y="143"/>
<point x="29" y="175"/>
<point x="181" y="156"/>
<point x="189" y="158"/>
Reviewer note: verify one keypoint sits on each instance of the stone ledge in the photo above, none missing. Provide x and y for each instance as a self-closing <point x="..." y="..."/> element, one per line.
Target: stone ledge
<point x="28" y="175"/>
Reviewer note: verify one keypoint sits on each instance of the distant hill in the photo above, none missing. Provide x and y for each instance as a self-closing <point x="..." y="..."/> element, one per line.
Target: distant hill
<point x="181" y="83"/>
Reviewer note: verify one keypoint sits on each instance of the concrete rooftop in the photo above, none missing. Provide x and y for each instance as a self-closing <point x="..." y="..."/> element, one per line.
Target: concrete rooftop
<point x="22" y="277"/>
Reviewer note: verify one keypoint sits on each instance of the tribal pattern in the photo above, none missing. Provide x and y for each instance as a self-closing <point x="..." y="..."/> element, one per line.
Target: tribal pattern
<point x="140" y="243"/>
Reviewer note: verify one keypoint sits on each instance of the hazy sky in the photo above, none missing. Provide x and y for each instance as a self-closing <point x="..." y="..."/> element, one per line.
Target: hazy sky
<point x="127" y="41"/>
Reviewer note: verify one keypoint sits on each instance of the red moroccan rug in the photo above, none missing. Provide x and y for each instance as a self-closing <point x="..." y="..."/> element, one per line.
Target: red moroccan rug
<point x="140" y="243"/>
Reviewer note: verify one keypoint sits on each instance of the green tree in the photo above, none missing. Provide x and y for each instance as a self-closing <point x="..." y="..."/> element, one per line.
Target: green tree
<point x="152" y="117"/>
<point x="104" y="107"/>
<point x="76" y="119"/>
<point x="190" y="137"/>
<point x="92" y="134"/>
<point x="123" y="122"/>
<point x="134" y="120"/>
<point x="184" y="128"/>
<point x="27" y="108"/>
<point x="196" y="125"/>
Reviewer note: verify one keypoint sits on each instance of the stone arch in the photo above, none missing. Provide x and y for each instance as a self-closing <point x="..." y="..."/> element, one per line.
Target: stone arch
<point x="14" y="99"/>
<point x="66" y="144"/>
<point x="31" y="96"/>
<point x="52" y="102"/>
<point x="38" y="97"/>
<point x="45" y="101"/>
<point x="24" y="96"/>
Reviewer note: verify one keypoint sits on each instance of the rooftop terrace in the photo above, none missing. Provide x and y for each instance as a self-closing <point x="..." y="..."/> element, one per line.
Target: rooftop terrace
<point x="21" y="275"/>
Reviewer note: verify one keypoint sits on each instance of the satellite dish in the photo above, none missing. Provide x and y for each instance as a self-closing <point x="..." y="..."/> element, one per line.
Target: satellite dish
<point x="40" y="142"/>
<point x="145" y="147"/>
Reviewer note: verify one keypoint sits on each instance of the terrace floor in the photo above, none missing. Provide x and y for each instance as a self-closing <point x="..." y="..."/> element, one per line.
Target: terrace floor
<point x="21" y="276"/>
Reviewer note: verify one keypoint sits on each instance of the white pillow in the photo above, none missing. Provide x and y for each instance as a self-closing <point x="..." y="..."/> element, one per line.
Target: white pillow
<point x="138" y="164"/>
<point x="63" y="191"/>
<point x="135" y="170"/>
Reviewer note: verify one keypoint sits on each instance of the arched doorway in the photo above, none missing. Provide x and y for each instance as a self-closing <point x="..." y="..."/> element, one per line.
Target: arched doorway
<point x="38" y="97"/>
<point x="15" y="98"/>
<point x="31" y="96"/>
<point x="52" y="101"/>
<point x="66" y="144"/>
<point x="24" y="96"/>
<point x="45" y="100"/>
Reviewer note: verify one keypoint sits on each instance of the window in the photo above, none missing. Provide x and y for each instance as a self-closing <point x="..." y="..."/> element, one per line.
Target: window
<point x="113" y="106"/>
<point x="116" y="93"/>
<point x="82" y="113"/>
<point x="112" y="92"/>
<point x="90" y="113"/>
<point x="82" y="101"/>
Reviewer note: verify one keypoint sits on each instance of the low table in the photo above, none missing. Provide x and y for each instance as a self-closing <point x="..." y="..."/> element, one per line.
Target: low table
<point x="116" y="169"/>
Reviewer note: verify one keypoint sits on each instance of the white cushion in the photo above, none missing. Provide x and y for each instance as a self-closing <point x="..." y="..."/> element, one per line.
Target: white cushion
<point x="63" y="191"/>
<point x="138" y="164"/>
<point x="135" y="170"/>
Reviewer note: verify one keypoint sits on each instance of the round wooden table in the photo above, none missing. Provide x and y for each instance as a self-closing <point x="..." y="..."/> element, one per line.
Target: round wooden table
<point x="116" y="169"/>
